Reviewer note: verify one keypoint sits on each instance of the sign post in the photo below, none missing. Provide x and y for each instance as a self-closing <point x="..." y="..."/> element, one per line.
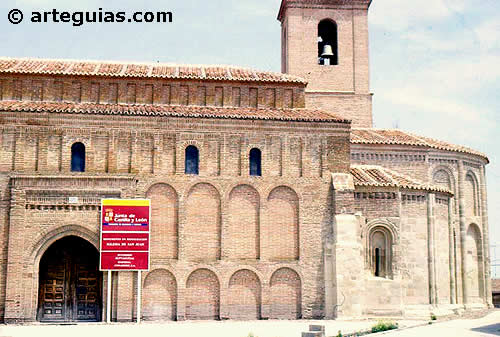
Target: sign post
<point x="124" y="244"/>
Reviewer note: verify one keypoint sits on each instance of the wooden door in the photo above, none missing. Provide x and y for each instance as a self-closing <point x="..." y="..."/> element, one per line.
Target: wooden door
<point x="53" y="293"/>
<point x="86" y="304"/>
<point x="70" y="283"/>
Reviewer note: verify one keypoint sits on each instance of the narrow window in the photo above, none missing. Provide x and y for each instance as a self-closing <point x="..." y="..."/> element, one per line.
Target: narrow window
<point x="255" y="162"/>
<point x="377" y="261"/>
<point x="380" y="250"/>
<point x="78" y="157"/>
<point x="191" y="164"/>
<point x="327" y="43"/>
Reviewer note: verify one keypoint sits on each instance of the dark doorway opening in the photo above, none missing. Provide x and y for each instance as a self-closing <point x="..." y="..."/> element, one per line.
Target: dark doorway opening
<point x="70" y="282"/>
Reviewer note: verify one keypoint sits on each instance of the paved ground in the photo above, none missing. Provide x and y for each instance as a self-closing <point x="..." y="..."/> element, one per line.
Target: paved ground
<point x="487" y="326"/>
<point x="269" y="328"/>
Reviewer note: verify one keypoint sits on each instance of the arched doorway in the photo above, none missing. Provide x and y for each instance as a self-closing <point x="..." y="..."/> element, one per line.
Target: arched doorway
<point x="70" y="282"/>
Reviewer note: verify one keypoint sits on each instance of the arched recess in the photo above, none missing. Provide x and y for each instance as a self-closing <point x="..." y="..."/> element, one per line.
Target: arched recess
<point x="471" y="195"/>
<point x="191" y="160"/>
<point x="255" y="162"/>
<point x="475" y="266"/>
<point x="202" y="295"/>
<point x="202" y="230"/>
<point x="282" y="224"/>
<point x="69" y="287"/>
<point x="244" y="300"/>
<point x="327" y="36"/>
<point x="243" y="241"/>
<point x="286" y="294"/>
<point x="46" y="240"/>
<point x="78" y="157"/>
<point x="160" y="296"/>
<point x="164" y="221"/>
<point x="380" y="253"/>
<point x="443" y="177"/>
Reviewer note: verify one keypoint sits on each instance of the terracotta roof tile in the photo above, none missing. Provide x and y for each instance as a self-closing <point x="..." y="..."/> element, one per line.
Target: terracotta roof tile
<point x="216" y="73"/>
<point x="137" y="70"/>
<point x="305" y="115"/>
<point x="83" y="68"/>
<point x="378" y="176"/>
<point x="163" y="71"/>
<point x="143" y="70"/>
<point x="398" y="137"/>
<point x="6" y="64"/>
<point x="190" y="72"/>
<point x="108" y="69"/>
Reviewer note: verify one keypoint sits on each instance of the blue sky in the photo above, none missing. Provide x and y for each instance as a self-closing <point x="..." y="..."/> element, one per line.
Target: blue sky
<point x="434" y="65"/>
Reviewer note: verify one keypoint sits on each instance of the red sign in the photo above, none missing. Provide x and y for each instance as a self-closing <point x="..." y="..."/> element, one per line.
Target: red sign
<point x="125" y="229"/>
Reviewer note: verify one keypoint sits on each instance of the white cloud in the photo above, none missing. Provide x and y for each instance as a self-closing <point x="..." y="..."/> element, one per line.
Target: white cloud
<point x="423" y="40"/>
<point x="397" y="15"/>
<point x="488" y="34"/>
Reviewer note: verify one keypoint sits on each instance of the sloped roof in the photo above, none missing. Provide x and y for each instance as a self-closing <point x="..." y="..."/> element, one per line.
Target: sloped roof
<point x="141" y="70"/>
<point x="305" y="115"/>
<point x="398" y="137"/>
<point x="378" y="176"/>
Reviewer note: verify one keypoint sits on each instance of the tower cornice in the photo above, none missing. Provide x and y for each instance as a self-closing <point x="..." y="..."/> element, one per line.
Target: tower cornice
<point x="324" y="4"/>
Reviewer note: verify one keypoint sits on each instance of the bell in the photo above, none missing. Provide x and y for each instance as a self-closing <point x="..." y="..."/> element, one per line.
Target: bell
<point x="327" y="51"/>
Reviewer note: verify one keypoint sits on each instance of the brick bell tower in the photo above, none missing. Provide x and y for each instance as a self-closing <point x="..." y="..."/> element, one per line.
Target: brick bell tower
<point x="326" y="42"/>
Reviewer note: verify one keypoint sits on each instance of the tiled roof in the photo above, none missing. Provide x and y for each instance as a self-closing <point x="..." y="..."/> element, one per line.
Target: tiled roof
<point x="304" y="115"/>
<point x="398" y="137"/>
<point x="141" y="70"/>
<point x="378" y="176"/>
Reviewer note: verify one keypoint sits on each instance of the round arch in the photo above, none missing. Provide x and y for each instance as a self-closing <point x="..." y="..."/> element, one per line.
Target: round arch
<point x="244" y="294"/>
<point x="160" y="295"/>
<point x="285" y="294"/>
<point x="202" y="294"/>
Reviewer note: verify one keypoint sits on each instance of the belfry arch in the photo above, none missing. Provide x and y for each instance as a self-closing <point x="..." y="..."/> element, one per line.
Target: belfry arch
<point x="69" y="282"/>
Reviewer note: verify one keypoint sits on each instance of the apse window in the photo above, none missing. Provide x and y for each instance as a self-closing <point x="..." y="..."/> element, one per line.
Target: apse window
<point x="255" y="158"/>
<point x="78" y="157"/>
<point x="327" y="43"/>
<point x="381" y="252"/>
<point x="192" y="160"/>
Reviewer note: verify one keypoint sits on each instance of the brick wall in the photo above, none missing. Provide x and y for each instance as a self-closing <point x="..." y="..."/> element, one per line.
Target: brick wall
<point x="202" y="295"/>
<point x="159" y="296"/>
<point x="164" y="216"/>
<point x="341" y="89"/>
<point x="131" y="91"/>
<point x="223" y="210"/>
<point x="244" y="296"/>
<point x="285" y="294"/>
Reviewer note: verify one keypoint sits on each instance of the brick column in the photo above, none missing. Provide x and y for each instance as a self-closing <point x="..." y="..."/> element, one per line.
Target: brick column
<point x="14" y="310"/>
<point x="486" y="239"/>
<point x="463" y="230"/>
<point x="125" y="294"/>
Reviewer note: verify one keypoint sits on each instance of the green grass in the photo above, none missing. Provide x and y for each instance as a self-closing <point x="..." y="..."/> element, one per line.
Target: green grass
<point x="384" y="326"/>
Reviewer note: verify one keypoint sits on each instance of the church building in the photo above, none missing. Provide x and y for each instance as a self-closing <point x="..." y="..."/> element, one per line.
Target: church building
<point x="273" y="197"/>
